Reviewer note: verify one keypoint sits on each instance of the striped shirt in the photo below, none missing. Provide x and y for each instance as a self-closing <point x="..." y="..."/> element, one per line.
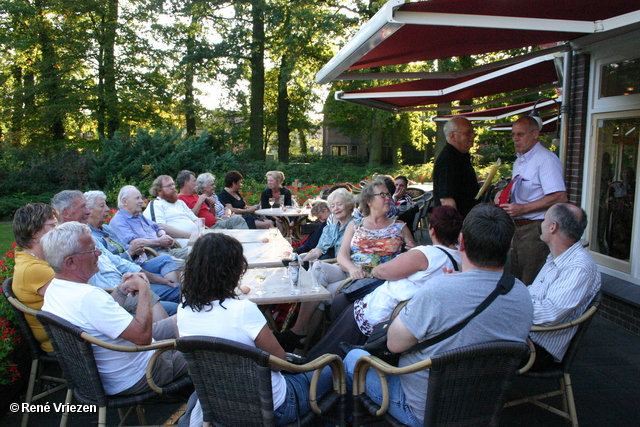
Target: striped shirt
<point x="560" y="293"/>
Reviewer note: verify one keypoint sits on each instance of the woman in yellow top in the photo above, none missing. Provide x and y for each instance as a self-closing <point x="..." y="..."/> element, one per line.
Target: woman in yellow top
<point x="32" y="274"/>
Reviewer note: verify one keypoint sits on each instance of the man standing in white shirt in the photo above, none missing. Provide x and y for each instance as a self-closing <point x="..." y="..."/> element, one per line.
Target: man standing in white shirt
<point x="171" y="213"/>
<point x="538" y="185"/>
<point x="565" y="285"/>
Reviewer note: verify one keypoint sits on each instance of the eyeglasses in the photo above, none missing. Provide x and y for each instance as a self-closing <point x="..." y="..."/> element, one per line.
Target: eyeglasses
<point x="94" y="250"/>
<point x="519" y="134"/>
<point x="173" y="184"/>
<point x="383" y="195"/>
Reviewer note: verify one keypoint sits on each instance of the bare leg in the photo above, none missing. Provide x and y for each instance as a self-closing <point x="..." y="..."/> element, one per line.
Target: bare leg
<point x="307" y="310"/>
<point x="264" y="223"/>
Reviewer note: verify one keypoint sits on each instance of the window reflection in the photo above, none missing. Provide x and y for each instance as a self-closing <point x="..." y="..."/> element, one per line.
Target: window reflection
<point x="616" y="184"/>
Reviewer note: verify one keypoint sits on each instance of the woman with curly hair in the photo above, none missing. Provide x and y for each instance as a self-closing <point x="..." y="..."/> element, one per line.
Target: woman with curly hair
<point x="210" y="306"/>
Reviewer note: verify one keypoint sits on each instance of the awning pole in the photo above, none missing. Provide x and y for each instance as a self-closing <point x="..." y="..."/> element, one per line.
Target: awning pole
<point x="566" y="107"/>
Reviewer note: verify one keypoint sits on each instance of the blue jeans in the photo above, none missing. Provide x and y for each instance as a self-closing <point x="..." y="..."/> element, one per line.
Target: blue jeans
<point x="170" y="307"/>
<point x="398" y="406"/>
<point x="160" y="265"/>
<point x="297" y="399"/>
<point x="166" y="293"/>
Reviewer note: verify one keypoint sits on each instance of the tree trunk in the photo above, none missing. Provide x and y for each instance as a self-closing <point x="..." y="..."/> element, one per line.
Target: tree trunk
<point x="189" y="73"/>
<point x="17" y="110"/>
<point x="112" y="104"/>
<point x="256" y="103"/>
<point x="375" y="153"/>
<point x="284" y="138"/>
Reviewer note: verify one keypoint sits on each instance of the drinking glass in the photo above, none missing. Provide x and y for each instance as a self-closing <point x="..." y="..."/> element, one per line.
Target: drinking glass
<point x="314" y="269"/>
<point x="271" y="202"/>
<point x="259" y="275"/>
<point x="273" y="233"/>
<point x="281" y="201"/>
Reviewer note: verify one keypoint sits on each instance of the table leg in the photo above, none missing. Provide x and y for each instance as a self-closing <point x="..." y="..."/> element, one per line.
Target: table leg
<point x="267" y="312"/>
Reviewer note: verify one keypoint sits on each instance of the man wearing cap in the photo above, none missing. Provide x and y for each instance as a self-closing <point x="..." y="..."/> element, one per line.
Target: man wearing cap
<point x="537" y="185"/>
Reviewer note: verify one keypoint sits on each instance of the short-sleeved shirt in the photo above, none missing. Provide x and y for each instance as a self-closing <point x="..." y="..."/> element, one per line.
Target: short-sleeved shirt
<point x="31" y="274"/>
<point x="454" y="177"/>
<point x="227" y="199"/>
<point x="98" y="314"/>
<point x="332" y="236"/>
<point x="177" y="215"/>
<point x="443" y="302"/>
<point x="204" y="212"/>
<point x="236" y="320"/>
<point x="112" y="267"/>
<point x="370" y="248"/>
<point x="540" y="173"/>
<point x="379" y="304"/>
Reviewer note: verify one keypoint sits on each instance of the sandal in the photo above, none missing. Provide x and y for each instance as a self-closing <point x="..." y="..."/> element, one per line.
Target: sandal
<point x="290" y="340"/>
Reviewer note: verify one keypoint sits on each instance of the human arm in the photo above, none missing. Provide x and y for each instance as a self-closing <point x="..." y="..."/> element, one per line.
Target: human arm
<point x="264" y="198"/>
<point x="409" y="243"/>
<point x="176" y="233"/>
<point x="545" y="202"/>
<point x="193" y="204"/>
<point x="159" y="280"/>
<point x="313" y="254"/>
<point x="404" y="265"/>
<point x="570" y="290"/>
<point x="140" y="329"/>
<point x="43" y="289"/>
<point x="344" y="255"/>
<point x="448" y="201"/>
<point x="267" y="342"/>
<point x="399" y="338"/>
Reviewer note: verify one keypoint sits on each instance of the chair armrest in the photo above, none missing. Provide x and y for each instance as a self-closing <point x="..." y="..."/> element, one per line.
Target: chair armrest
<point x="587" y="314"/>
<point x="151" y="251"/>
<point x="317" y="365"/>
<point x="342" y="285"/>
<point x="381" y="367"/>
<point x="399" y="307"/>
<point x="20" y="306"/>
<point x="532" y="358"/>
<point x="167" y="345"/>
<point x="128" y="348"/>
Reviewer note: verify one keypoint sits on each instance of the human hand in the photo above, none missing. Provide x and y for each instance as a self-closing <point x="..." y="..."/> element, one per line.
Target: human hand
<point x="513" y="209"/>
<point x="133" y="283"/>
<point x="496" y="199"/>
<point x="357" y="273"/>
<point x="165" y="240"/>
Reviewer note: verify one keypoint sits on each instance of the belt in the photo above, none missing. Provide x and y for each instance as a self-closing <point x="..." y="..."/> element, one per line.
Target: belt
<point x="520" y="222"/>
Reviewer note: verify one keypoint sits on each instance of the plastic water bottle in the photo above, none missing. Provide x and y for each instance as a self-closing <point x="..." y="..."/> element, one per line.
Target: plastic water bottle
<point x="294" y="274"/>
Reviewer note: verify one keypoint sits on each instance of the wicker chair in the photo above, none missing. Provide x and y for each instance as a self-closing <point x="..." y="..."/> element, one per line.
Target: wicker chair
<point x="233" y="382"/>
<point x="561" y="371"/>
<point x="39" y="359"/>
<point x="74" y="349"/>
<point x="466" y="386"/>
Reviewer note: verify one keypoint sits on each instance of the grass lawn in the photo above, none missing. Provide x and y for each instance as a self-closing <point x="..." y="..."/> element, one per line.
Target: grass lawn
<point x="6" y="237"/>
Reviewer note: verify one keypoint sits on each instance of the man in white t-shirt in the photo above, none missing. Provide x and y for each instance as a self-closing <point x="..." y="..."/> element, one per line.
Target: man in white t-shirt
<point x="170" y="212"/>
<point x="72" y="253"/>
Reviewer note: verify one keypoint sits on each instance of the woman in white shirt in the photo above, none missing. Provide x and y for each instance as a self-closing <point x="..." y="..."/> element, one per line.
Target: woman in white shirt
<point x="210" y="306"/>
<point x="353" y="322"/>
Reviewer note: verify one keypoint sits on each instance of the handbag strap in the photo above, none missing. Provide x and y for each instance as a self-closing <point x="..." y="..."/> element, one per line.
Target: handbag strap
<point x="505" y="284"/>
<point x="453" y="261"/>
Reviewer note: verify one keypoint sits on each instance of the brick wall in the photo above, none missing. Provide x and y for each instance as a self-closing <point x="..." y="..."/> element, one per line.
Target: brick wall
<point x="574" y="170"/>
<point x="621" y="313"/>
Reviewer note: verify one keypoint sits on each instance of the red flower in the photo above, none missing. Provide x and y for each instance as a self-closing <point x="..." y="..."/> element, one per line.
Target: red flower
<point x="10" y="254"/>
<point x="13" y="245"/>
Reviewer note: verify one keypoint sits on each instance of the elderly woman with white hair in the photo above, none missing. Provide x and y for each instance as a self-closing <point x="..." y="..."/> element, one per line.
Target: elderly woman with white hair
<point x="214" y="213"/>
<point x="162" y="265"/>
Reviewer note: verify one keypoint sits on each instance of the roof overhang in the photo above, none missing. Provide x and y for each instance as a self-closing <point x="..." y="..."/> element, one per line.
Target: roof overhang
<point x="538" y="72"/>
<point x="500" y="113"/>
<point x="408" y="32"/>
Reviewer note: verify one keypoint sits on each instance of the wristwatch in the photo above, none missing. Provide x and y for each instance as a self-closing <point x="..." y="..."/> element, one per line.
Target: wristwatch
<point x="119" y="292"/>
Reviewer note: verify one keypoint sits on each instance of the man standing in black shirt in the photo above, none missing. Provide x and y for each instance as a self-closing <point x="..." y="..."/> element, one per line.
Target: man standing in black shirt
<point x="454" y="180"/>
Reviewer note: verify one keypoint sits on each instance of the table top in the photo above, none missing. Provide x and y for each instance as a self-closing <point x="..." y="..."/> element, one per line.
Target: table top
<point x="279" y="212"/>
<point x="277" y="289"/>
<point x="260" y="248"/>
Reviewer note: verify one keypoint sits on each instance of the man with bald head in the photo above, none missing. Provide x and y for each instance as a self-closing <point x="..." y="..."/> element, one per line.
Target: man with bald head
<point x="537" y="185"/>
<point x="454" y="180"/>
<point x="566" y="284"/>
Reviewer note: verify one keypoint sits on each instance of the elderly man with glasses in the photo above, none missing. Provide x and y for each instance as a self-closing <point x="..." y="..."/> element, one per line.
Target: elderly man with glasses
<point x="454" y="180"/>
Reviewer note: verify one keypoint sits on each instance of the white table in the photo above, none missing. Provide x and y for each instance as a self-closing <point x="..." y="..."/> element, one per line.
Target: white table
<point x="297" y="214"/>
<point x="277" y="290"/>
<point x="259" y="247"/>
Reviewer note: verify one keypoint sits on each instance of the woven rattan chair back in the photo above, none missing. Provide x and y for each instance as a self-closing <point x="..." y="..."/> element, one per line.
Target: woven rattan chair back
<point x="76" y="358"/>
<point x="38" y="356"/>
<point x="467" y="386"/>
<point x="233" y="381"/>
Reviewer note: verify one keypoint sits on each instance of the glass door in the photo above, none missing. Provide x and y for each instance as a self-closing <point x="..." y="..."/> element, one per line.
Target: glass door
<point x="612" y="223"/>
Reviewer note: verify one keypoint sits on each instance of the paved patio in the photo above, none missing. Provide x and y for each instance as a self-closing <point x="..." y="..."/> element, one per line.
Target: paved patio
<point x="605" y="379"/>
